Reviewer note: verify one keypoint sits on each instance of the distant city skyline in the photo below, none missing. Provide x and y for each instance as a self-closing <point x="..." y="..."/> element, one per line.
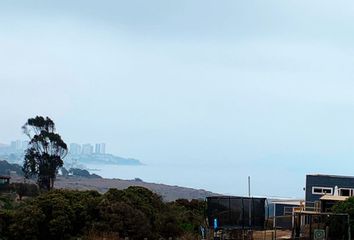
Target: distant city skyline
<point x="74" y="148"/>
<point x="87" y="148"/>
<point x="19" y="144"/>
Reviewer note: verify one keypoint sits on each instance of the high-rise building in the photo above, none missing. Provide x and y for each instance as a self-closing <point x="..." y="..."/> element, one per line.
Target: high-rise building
<point x="17" y="145"/>
<point x="97" y="148"/>
<point x="103" y="148"/>
<point x="75" y="148"/>
<point x="87" y="149"/>
<point x="100" y="148"/>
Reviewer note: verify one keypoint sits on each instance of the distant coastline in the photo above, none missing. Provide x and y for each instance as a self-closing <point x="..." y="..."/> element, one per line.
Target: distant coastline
<point x="78" y="156"/>
<point x="100" y="159"/>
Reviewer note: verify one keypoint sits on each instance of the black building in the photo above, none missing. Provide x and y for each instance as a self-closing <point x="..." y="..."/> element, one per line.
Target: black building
<point x="229" y="212"/>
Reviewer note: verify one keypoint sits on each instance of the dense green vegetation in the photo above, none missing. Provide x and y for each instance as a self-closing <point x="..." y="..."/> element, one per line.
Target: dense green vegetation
<point x="339" y="223"/>
<point x="135" y="212"/>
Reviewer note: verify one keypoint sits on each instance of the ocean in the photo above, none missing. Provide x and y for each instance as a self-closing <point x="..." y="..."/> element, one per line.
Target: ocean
<point x="223" y="179"/>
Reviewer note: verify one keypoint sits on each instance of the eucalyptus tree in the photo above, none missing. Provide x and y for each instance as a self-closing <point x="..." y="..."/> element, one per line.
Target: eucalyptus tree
<point x="45" y="151"/>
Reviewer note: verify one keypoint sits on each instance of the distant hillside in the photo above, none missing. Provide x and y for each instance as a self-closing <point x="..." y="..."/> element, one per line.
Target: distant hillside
<point x="168" y="192"/>
<point x="83" y="180"/>
<point x="3" y="145"/>
<point x="6" y="167"/>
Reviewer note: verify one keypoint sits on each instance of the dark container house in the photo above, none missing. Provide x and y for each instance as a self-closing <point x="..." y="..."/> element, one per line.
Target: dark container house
<point x="318" y="185"/>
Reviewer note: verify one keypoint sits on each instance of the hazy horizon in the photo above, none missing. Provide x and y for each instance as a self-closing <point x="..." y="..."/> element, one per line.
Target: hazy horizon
<point x="261" y="87"/>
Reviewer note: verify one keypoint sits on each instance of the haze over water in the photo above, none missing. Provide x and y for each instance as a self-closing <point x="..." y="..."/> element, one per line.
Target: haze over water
<point x="204" y="93"/>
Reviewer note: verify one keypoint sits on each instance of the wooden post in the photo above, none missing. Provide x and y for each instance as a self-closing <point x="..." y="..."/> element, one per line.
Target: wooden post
<point x="349" y="230"/>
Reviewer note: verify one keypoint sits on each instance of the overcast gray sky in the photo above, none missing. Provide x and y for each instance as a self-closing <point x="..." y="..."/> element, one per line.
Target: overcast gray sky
<point x="262" y="86"/>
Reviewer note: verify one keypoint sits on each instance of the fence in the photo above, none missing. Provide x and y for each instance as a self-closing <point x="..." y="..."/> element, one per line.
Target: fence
<point x="298" y="226"/>
<point x="235" y="213"/>
<point x="321" y="226"/>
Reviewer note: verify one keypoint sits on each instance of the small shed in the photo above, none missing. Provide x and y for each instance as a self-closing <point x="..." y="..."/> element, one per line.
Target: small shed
<point x="280" y="212"/>
<point x="282" y="207"/>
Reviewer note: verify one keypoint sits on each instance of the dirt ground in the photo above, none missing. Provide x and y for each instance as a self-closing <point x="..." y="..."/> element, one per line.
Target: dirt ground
<point x="271" y="234"/>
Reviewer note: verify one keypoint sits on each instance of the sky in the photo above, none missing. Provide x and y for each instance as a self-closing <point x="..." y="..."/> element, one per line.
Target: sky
<point x="264" y="88"/>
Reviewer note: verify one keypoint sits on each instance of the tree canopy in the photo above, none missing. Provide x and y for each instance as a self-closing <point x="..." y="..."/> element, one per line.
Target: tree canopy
<point x="45" y="152"/>
<point x="134" y="212"/>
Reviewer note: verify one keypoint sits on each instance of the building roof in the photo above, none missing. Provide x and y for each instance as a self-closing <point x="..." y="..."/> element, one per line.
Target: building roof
<point x="232" y="197"/>
<point x="321" y="213"/>
<point x="333" y="198"/>
<point x="5" y="177"/>
<point x="329" y="175"/>
<point x="288" y="202"/>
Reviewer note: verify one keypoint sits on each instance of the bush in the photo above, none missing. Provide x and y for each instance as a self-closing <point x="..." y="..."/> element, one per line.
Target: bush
<point x="25" y="189"/>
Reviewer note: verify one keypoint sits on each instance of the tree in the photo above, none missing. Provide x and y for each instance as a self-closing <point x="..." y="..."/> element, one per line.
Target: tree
<point x="45" y="152"/>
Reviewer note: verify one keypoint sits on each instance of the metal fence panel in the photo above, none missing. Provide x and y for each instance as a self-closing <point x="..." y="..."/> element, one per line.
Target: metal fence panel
<point x="236" y="212"/>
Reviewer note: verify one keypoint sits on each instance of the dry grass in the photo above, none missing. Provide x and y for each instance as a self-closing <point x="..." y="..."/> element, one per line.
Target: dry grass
<point x="268" y="234"/>
<point x="92" y="235"/>
<point x="189" y="236"/>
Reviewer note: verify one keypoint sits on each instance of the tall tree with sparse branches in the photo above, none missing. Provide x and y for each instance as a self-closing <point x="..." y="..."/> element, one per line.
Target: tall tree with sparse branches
<point x="45" y="152"/>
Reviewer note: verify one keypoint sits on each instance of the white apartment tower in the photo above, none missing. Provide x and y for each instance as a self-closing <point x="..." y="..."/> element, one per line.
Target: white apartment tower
<point x="100" y="148"/>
